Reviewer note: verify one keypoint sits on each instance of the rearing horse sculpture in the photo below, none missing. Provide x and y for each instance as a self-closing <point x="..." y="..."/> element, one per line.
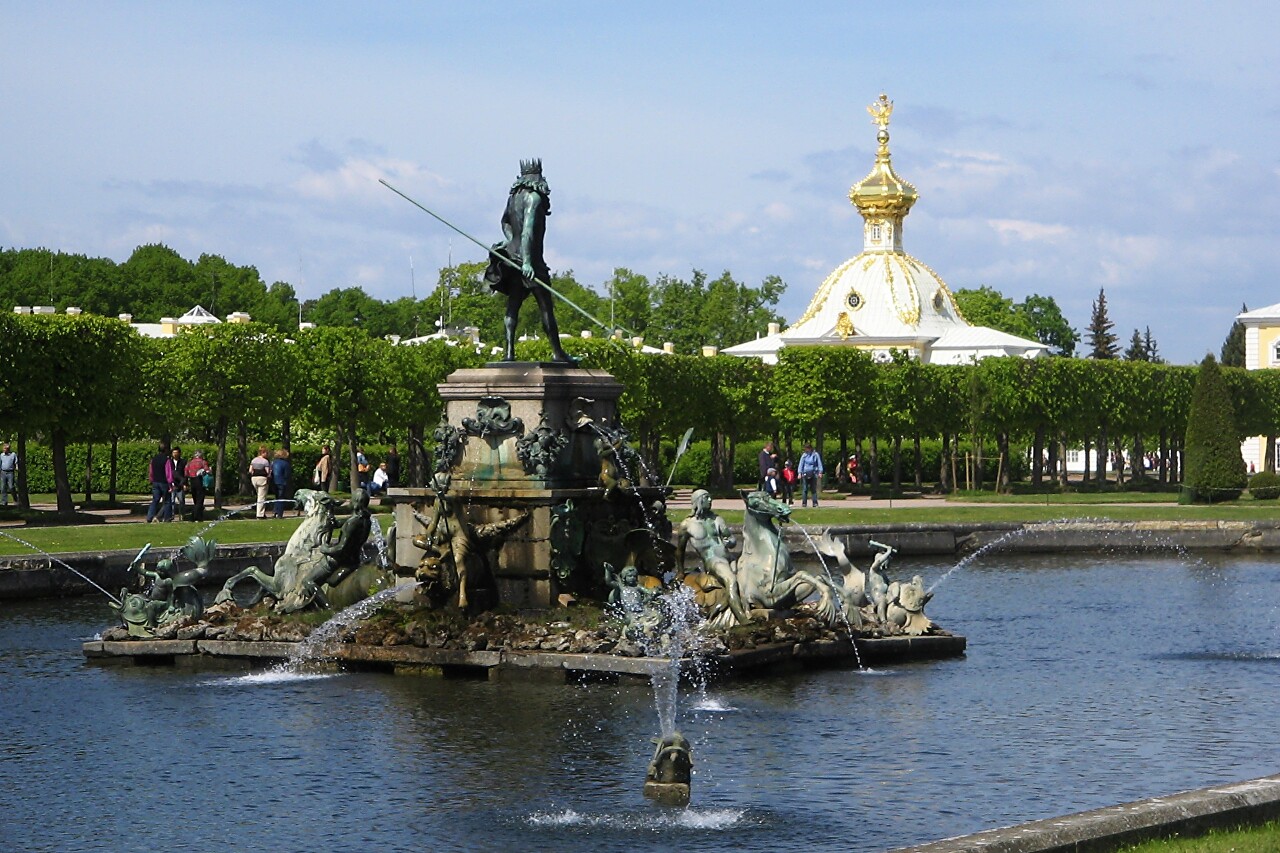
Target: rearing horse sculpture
<point x="766" y="577"/>
<point x="300" y="576"/>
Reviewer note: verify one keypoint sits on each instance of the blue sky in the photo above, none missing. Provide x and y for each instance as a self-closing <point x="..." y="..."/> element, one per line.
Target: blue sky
<point x="1057" y="148"/>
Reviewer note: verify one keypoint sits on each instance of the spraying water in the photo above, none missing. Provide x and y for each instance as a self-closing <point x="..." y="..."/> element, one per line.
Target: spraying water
<point x="311" y="650"/>
<point x="70" y="568"/>
<point x="844" y="616"/>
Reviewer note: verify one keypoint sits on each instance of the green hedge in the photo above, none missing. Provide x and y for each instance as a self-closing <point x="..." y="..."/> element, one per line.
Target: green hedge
<point x="1264" y="486"/>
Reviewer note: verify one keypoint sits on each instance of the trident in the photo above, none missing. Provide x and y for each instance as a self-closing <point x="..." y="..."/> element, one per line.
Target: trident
<point x="557" y="294"/>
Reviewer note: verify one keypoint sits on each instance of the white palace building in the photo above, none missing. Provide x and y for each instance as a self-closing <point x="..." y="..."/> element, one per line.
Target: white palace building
<point x="883" y="299"/>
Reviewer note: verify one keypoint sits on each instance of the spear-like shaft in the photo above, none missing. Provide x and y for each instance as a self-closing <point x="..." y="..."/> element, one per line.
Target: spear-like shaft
<point x="501" y="257"/>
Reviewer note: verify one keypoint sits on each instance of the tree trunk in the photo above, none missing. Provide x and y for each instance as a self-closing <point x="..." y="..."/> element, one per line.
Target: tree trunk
<point x="1103" y="457"/>
<point x="842" y="470"/>
<point x="733" y="455"/>
<point x="1164" y="455"/>
<point x="919" y="462"/>
<point x="61" y="480"/>
<point x="946" y="465"/>
<point x="977" y="464"/>
<point x="353" y="471"/>
<point x="115" y="463"/>
<point x="1139" y="459"/>
<point x="897" y="463"/>
<point x="244" y="486"/>
<point x="1269" y="457"/>
<point x="88" y="472"/>
<point x="1051" y="456"/>
<point x="717" y="473"/>
<point x="286" y="434"/>
<point x="417" y="462"/>
<point x="24" y="496"/>
<point x="1087" y="476"/>
<point x="1063" y="474"/>
<point x="1037" y="458"/>
<point x="875" y="462"/>
<point x="1003" y="480"/>
<point x="219" y="463"/>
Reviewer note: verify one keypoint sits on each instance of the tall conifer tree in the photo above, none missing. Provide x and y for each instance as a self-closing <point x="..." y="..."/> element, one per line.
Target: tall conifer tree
<point x="1104" y="343"/>
<point x="1215" y="470"/>
<point x="1233" y="346"/>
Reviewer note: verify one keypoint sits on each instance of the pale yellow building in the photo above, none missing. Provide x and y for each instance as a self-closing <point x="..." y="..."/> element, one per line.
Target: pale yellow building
<point x="1261" y="350"/>
<point x="883" y="299"/>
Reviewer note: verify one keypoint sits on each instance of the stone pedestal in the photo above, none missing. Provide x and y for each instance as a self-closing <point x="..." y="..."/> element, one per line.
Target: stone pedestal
<point x="501" y="420"/>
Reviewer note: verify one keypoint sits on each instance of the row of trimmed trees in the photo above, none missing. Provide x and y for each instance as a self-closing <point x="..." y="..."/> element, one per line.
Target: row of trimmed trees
<point x="93" y="379"/>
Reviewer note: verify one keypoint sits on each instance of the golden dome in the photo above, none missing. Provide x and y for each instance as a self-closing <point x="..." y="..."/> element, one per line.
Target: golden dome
<point x="882" y="194"/>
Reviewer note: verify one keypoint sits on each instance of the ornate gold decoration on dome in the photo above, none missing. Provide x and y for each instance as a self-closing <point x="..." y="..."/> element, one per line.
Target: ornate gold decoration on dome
<point x="844" y="326"/>
<point x="854" y="300"/>
<point x="910" y="315"/>
<point x="824" y="291"/>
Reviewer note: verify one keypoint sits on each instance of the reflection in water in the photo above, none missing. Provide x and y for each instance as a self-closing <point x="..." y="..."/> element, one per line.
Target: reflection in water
<point x="1088" y="681"/>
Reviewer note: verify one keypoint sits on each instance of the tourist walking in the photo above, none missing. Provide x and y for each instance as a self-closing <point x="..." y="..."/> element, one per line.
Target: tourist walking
<point x="179" y="489"/>
<point x="810" y="471"/>
<point x="788" y="478"/>
<point x="260" y="476"/>
<point x="772" y="485"/>
<point x="195" y="473"/>
<point x="363" y="471"/>
<point x="160" y="475"/>
<point x="281" y="474"/>
<point x="768" y="459"/>
<point x="8" y="471"/>
<point x="324" y="468"/>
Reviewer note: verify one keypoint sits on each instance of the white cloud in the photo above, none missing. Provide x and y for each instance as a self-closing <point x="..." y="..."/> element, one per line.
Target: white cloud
<point x="1021" y="229"/>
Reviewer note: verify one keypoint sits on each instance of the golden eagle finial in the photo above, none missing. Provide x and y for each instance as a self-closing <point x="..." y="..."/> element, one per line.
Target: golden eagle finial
<point x="880" y="111"/>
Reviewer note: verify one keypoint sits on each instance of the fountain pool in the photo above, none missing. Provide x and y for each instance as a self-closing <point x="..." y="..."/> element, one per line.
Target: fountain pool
<point x="1089" y="680"/>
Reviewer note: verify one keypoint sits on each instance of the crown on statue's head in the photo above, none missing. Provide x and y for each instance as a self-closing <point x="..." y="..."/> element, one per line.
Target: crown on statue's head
<point x="531" y="167"/>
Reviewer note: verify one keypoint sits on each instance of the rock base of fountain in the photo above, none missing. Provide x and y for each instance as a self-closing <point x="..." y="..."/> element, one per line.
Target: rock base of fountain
<point x="567" y="646"/>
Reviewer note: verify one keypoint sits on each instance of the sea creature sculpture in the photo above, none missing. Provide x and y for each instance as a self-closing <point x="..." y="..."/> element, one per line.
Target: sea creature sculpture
<point x="852" y="586"/>
<point x="766" y="576"/>
<point x="171" y="593"/>
<point x="312" y="566"/>
<point x="906" y="606"/>
<point x="671" y="771"/>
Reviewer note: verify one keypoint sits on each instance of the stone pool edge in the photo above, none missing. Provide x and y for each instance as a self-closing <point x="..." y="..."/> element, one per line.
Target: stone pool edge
<point x="507" y="664"/>
<point x="1188" y="813"/>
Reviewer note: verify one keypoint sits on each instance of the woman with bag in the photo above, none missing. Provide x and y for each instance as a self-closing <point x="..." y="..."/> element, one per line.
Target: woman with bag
<point x="199" y="477"/>
<point x="320" y="476"/>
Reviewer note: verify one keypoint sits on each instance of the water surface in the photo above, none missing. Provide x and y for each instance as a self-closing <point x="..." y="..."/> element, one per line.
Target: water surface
<point x="1089" y="681"/>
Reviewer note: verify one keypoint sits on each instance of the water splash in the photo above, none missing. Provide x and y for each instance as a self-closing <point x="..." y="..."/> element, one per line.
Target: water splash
<point x="311" y="650"/>
<point x="65" y="565"/>
<point x="713" y="820"/>
<point x="670" y="638"/>
<point x="379" y="541"/>
<point x="844" y="617"/>
<point x="1128" y="538"/>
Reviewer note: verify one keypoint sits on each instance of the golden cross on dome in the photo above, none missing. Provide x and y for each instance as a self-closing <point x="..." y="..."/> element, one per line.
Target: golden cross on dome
<point x="880" y="111"/>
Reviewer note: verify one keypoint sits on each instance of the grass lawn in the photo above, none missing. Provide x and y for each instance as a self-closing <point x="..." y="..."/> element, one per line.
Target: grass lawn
<point x="836" y="510"/>
<point x="1260" y="839"/>
<point x="115" y="537"/>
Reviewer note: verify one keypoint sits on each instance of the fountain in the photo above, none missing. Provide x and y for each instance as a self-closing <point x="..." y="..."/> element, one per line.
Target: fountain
<point x="532" y="520"/>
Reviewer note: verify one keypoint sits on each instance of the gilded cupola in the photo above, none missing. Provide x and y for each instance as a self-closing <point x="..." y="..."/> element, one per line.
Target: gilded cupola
<point x="883" y="198"/>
